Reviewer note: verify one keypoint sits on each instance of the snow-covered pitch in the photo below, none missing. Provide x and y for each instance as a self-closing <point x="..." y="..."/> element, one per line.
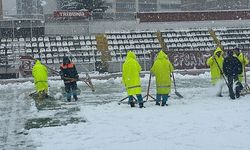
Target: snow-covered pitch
<point x="199" y="121"/>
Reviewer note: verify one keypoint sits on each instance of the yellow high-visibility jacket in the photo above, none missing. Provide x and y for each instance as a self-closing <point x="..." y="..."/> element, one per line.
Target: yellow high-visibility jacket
<point x="216" y="74"/>
<point x="244" y="61"/>
<point x="40" y="74"/>
<point x="162" y="69"/>
<point x="131" y="74"/>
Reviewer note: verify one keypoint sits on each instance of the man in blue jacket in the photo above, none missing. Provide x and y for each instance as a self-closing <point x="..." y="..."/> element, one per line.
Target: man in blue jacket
<point x="69" y="75"/>
<point x="232" y="68"/>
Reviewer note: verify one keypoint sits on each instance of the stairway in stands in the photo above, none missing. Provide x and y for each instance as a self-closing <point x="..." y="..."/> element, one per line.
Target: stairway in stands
<point x="102" y="46"/>
<point x="161" y="41"/>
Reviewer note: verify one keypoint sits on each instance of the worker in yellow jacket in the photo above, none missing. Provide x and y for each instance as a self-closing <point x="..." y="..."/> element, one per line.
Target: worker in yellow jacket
<point x="215" y="63"/>
<point x="162" y="69"/>
<point x="243" y="59"/>
<point x="40" y="74"/>
<point x="131" y="79"/>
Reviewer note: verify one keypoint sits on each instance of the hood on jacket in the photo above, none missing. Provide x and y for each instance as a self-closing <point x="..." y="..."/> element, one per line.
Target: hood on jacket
<point x="37" y="62"/>
<point x="66" y="60"/>
<point x="131" y="54"/>
<point x="230" y="53"/>
<point x="162" y="55"/>
<point x="218" y="49"/>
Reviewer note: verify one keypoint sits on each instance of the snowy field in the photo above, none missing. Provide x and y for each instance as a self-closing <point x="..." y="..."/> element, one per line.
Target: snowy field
<point x="198" y="121"/>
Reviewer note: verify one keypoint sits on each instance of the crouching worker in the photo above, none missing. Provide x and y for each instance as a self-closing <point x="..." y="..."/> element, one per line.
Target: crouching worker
<point x="243" y="60"/>
<point x="162" y="69"/>
<point x="232" y="68"/>
<point x="131" y="79"/>
<point x="69" y="75"/>
<point x="40" y="74"/>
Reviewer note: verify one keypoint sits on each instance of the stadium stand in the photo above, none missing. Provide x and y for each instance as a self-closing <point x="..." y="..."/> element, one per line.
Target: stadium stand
<point x="88" y="49"/>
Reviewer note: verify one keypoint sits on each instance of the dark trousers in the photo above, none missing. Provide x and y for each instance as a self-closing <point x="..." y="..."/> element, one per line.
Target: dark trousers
<point x="139" y="98"/>
<point x="70" y="89"/>
<point x="231" y="81"/>
<point x="164" y="98"/>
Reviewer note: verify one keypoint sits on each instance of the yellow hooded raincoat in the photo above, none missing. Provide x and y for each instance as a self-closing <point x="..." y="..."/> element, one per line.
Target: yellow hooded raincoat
<point x="244" y="61"/>
<point x="162" y="69"/>
<point x="40" y="74"/>
<point x="131" y="74"/>
<point x="215" y="71"/>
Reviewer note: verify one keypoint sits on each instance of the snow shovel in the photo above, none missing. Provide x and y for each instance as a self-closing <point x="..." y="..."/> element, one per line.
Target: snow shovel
<point x="120" y="101"/>
<point x="175" y="91"/>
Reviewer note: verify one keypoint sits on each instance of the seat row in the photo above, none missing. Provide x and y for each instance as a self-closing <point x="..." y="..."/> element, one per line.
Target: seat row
<point x="59" y="59"/>
<point x="131" y="36"/>
<point x="133" y="41"/>
<point x="47" y="39"/>
<point x="134" y="47"/>
<point x="42" y="52"/>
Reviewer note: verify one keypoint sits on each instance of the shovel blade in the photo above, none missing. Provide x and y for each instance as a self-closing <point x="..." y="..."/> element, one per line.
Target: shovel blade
<point x="178" y="94"/>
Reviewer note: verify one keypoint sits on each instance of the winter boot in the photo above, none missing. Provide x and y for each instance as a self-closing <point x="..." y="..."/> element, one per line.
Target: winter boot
<point x="237" y="94"/>
<point x="75" y="97"/>
<point x="238" y="89"/>
<point x="157" y="103"/>
<point x="232" y="96"/>
<point x="219" y="95"/>
<point x="68" y="95"/>
<point x="163" y="104"/>
<point x="132" y="104"/>
<point x="141" y="105"/>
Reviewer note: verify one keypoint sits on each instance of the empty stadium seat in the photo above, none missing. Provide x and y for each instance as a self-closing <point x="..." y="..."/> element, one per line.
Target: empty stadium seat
<point x="92" y="59"/>
<point x="121" y="47"/>
<point x="94" y="47"/>
<point x="129" y="36"/>
<point x="65" y="49"/>
<point x="42" y="50"/>
<point x="28" y="44"/>
<point x="118" y="36"/>
<point x="70" y="43"/>
<point x="58" y="38"/>
<point x="115" y="42"/>
<point x="52" y="43"/>
<point x="28" y="50"/>
<point x="49" y="55"/>
<point x="34" y="44"/>
<point x="98" y="53"/>
<point x="75" y="37"/>
<point x="92" y="37"/>
<point x="85" y="53"/>
<point x="87" y="37"/>
<point x="125" y="41"/>
<point x="41" y="44"/>
<point x="88" y="42"/>
<point x="35" y="50"/>
<point x="49" y="50"/>
<point x="81" y="37"/>
<point x="43" y="60"/>
<point x="72" y="49"/>
<point x="56" y="60"/>
<point x="3" y="40"/>
<point x="58" y="44"/>
<point x="46" y="39"/>
<point x="36" y="56"/>
<point x="33" y="39"/>
<point x="124" y="36"/>
<point x="94" y="42"/>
